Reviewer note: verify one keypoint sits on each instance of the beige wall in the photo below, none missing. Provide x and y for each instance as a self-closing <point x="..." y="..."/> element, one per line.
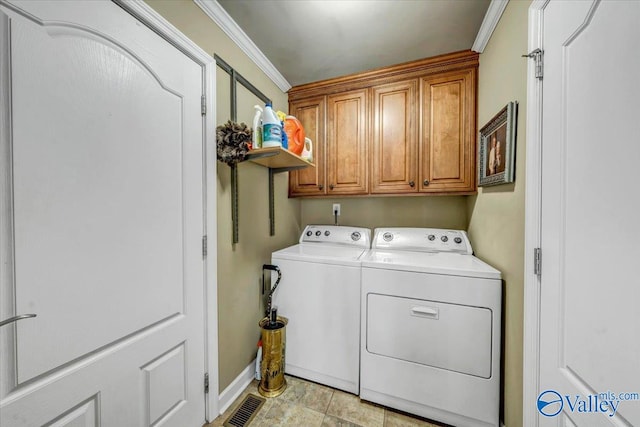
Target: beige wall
<point x="240" y="304"/>
<point x="372" y="212"/>
<point x="496" y="214"/>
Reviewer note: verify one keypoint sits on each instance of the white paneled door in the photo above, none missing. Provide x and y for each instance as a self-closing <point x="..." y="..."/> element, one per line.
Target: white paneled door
<point x="589" y="315"/>
<point x="102" y="221"/>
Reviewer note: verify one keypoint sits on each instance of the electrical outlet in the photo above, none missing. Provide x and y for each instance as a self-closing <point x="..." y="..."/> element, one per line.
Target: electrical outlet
<point x="336" y="208"/>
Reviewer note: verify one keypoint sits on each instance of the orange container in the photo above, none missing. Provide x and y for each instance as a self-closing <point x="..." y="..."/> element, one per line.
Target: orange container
<point x="295" y="134"/>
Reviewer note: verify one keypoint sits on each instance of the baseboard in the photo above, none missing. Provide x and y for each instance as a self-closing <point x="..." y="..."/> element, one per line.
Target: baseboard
<point x="235" y="389"/>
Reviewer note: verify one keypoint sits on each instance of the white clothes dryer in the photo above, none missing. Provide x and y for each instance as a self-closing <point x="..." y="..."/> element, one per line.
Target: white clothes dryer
<point x="319" y="294"/>
<point x="431" y="323"/>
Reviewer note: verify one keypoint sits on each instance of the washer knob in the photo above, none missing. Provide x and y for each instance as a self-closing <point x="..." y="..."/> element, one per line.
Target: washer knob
<point x="326" y="233"/>
<point x="387" y="237"/>
<point x="458" y="240"/>
<point x="431" y="237"/>
<point x="355" y="236"/>
<point x="444" y="238"/>
<point x="309" y="233"/>
<point x="318" y="233"/>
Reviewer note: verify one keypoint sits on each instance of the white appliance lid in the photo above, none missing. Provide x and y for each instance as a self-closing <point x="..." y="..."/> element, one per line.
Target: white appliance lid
<point x="321" y="253"/>
<point x="452" y="264"/>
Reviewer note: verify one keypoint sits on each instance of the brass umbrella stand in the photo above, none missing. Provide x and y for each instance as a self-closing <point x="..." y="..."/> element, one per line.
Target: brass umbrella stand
<point x="273" y="328"/>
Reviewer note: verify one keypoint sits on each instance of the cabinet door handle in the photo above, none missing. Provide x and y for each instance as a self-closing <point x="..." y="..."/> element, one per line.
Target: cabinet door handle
<point x="412" y="184"/>
<point x="426" y="182"/>
<point x="330" y="186"/>
<point x="16" y="318"/>
<point x="321" y="187"/>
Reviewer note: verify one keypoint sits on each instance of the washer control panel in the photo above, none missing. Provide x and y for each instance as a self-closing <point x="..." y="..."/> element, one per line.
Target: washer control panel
<point x="422" y="240"/>
<point x="337" y="234"/>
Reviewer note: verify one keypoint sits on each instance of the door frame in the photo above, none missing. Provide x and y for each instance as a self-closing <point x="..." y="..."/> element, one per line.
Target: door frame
<point x="152" y="19"/>
<point x="533" y="226"/>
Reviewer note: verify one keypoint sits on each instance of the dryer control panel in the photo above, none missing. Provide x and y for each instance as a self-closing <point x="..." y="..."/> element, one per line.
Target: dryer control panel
<point x="422" y="240"/>
<point x="337" y="234"/>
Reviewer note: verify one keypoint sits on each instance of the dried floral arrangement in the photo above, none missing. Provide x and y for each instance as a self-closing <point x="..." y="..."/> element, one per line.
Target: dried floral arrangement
<point x="233" y="141"/>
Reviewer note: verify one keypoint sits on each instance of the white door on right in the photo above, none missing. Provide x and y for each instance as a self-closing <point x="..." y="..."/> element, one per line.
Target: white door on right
<point x="590" y="286"/>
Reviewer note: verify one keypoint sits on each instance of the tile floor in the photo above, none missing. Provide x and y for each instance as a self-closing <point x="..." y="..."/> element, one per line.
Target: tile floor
<point x="307" y="404"/>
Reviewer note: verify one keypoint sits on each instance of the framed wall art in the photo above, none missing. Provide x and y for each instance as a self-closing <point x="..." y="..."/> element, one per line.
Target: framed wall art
<point x="497" y="148"/>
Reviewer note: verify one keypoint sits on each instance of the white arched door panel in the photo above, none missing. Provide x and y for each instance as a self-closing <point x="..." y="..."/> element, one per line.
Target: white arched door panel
<point x="106" y="142"/>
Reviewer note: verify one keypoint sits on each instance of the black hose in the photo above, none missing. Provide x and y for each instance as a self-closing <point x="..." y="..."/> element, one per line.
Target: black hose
<point x="273" y="288"/>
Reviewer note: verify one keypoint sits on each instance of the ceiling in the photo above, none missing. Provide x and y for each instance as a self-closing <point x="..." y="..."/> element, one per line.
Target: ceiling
<point x="311" y="40"/>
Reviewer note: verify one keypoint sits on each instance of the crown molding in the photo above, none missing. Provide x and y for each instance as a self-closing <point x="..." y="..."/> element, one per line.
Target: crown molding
<point x="489" y="24"/>
<point x="218" y="15"/>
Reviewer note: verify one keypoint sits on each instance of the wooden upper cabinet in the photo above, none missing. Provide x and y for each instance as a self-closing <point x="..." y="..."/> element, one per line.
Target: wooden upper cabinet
<point x="395" y="138"/>
<point x="310" y="181"/>
<point x="406" y="129"/>
<point x="347" y="132"/>
<point x="447" y="143"/>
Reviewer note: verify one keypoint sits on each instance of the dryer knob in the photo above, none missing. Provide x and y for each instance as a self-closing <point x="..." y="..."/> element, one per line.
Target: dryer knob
<point x="387" y="237"/>
<point x="431" y="237"/>
<point x="326" y="233"/>
<point x="318" y="233"/>
<point x="355" y="236"/>
<point x="444" y="238"/>
<point x="458" y="240"/>
<point x="309" y="233"/>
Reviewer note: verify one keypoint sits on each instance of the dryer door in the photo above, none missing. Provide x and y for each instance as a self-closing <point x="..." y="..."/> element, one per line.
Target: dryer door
<point x="447" y="336"/>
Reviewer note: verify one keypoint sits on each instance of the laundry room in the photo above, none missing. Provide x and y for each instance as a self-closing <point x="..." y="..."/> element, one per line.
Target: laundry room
<point x="494" y="217"/>
<point x="386" y="206"/>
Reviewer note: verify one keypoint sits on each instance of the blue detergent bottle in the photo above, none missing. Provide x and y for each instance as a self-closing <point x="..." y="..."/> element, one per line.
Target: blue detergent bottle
<point x="271" y="128"/>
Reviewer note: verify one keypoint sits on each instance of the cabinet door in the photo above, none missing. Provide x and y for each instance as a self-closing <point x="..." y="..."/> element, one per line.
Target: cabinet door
<point x="447" y="144"/>
<point x="347" y="136"/>
<point x="310" y="181"/>
<point x="395" y="131"/>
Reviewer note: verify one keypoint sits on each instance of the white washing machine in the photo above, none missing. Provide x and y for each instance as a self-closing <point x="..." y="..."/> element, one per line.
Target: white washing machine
<point x="431" y="317"/>
<point x="320" y="295"/>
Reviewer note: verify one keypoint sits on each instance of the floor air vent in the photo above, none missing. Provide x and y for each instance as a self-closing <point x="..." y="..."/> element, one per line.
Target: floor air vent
<point x="248" y="409"/>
